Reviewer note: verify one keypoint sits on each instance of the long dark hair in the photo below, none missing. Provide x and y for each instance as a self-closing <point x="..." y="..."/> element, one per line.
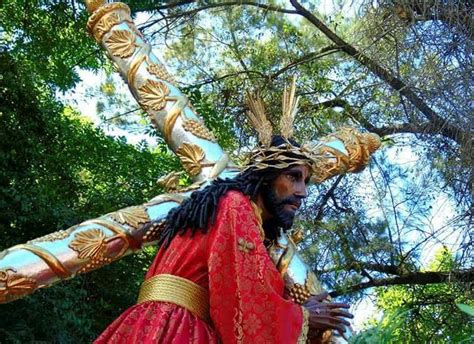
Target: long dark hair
<point x="199" y="211"/>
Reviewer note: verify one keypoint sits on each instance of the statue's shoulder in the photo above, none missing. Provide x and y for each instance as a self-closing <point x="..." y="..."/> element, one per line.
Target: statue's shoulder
<point x="235" y="198"/>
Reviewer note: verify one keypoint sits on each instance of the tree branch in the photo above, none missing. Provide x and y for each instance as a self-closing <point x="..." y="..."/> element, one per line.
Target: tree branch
<point x="326" y="197"/>
<point x="424" y="128"/>
<point x="216" y="5"/>
<point x="443" y="126"/>
<point x="359" y="266"/>
<point x="457" y="14"/>
<point x="387" y="269"/>
<point x="435" y="124"/>
<point x="413" y="278"/>
<point x="307" y="58"/>
<point x="230" y="75"/>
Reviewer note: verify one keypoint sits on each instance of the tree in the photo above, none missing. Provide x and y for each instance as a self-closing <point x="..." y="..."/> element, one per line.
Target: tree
<point x="422" y="314"/>
<point x="49" y="39"/>
<point x="56" y="171"/>
<point x="378" y="69"/>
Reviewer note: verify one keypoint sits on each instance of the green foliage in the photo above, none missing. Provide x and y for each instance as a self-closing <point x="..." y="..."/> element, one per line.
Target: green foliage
<point x="49" y="38"/>
<point x="219" y="124"/>
<point x="382" y="334"/>
<point x="57" y="170"/>
<point x="423" y="314"/>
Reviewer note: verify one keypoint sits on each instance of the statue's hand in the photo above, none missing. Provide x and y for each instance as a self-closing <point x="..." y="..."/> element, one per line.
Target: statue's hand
<point x="326" y="315"/>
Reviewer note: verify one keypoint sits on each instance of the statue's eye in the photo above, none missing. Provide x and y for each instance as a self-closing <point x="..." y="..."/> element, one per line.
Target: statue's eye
<point x="293" y="176"/>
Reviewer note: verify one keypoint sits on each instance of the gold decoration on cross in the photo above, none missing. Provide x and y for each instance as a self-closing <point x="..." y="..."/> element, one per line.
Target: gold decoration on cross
<point x="132" y="216"/>
<point x="191" y="156"/>
<point x="153" y="94"/>
<point x="170" y="182"/>
<point x="105" y="24"/>
<point x="121" y="43"/>
<point x="101" y="12"/>
<point x="93" y="5"/>
<point x="89" y="244"/>
<point x="59" y="235"/>
<point x="198" y="129"/>
<point x="47" y="257"/>
<point x="160" y="72"/>
<point x="14" y="285"/>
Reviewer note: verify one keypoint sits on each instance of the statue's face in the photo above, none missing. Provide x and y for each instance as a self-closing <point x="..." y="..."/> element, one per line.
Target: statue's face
<point x="284" y="195"/>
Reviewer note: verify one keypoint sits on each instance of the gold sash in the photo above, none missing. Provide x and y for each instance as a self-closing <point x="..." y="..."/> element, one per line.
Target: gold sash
<point x="177" y="290"/>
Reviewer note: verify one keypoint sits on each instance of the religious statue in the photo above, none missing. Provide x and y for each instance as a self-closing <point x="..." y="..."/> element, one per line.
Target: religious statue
<point x="227" y="268"/>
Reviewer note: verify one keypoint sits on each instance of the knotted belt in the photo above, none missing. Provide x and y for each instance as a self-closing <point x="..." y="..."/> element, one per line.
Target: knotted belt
<point x="177" y="290"/>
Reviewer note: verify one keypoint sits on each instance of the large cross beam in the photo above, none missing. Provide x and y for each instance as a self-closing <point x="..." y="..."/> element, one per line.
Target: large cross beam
<point x="94" y="243"/>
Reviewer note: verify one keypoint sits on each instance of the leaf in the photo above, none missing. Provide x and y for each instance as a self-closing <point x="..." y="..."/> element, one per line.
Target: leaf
<point x="12" y="283"/>
<point x="466" y="309"/>
<point x="190" y="156"/>
<point x="132" y="216"/>
<point x="89" y="244"/>
<point x="121" y="43"/>
<point x="153" y="94"/>
<point x="170" y="181"/>
<point x="20" y="285"/>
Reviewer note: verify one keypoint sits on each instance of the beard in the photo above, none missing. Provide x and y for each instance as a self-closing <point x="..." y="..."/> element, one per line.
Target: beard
<point x="280" y="217"/>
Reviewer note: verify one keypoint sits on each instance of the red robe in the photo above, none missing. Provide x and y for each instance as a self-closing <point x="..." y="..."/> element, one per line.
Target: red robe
<point x="245" y="288"/>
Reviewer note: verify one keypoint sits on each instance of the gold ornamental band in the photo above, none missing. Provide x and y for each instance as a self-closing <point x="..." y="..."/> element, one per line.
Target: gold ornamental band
<point x="177" y="290"/>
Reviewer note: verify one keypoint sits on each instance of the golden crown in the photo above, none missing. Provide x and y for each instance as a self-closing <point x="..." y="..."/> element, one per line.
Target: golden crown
<point x="323" y="159"/>
<point x="258" y="117"/>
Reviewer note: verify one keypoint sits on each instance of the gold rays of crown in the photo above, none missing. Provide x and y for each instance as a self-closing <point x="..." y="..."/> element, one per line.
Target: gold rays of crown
<point x="286" y="154"/>
<point x="259" y="120"/>
<point x="323" y="160"/>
